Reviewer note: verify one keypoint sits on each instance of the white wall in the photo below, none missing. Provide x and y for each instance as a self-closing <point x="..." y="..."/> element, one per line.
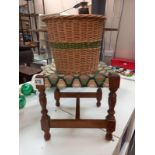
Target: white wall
<point x="126" y="38"/>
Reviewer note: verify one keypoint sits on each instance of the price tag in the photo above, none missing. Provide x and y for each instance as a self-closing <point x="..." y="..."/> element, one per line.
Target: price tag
<point x="39" y="81"/>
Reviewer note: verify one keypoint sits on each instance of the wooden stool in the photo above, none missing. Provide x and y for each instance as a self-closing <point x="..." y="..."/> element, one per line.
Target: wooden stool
<point x="108" y="123"/>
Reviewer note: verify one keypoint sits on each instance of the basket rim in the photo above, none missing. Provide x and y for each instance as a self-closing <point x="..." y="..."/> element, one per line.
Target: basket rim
<point x="81" y="16"/>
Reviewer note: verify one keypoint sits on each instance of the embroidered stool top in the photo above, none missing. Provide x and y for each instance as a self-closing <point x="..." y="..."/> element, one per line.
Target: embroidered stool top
<point x="54" y="79"/>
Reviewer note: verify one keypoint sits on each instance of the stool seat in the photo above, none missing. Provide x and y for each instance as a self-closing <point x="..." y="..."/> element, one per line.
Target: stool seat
<point x="98" y="79"/>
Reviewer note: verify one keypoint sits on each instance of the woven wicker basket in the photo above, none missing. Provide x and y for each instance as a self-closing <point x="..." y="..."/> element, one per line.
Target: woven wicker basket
<point x="75" y="41"/>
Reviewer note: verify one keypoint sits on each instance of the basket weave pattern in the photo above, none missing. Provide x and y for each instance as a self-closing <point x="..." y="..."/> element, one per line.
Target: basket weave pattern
<point x="72" y="61"/>
<point x="75" y="42"/>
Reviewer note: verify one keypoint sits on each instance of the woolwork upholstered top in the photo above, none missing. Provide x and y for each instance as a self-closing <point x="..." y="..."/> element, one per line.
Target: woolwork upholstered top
<point x="98" y="79"/>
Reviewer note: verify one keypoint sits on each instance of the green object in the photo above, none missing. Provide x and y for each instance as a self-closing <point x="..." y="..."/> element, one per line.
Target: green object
<point x="22" y="101"/>
<point x="81" y="45"/>
<point x="27" y="89"/>
<point x="129" y="75"/>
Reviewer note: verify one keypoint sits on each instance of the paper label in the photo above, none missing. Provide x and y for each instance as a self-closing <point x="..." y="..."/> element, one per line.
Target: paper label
<point x="39" y="81"/>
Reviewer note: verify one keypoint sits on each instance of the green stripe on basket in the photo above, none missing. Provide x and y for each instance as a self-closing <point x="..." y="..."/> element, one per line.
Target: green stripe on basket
<point x="75" y="45"/>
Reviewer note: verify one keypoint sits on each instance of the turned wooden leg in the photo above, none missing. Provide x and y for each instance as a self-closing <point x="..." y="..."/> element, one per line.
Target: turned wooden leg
<point x="77" y="108"/>
<point x="99" y="97"/>
<point x="114" y="81"/>
<point x="45" y="118"/>
<point x="57" y="97"/>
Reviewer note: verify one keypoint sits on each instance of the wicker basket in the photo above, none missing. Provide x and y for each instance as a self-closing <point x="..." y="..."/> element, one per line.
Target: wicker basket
<point x="75" y="41"/>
